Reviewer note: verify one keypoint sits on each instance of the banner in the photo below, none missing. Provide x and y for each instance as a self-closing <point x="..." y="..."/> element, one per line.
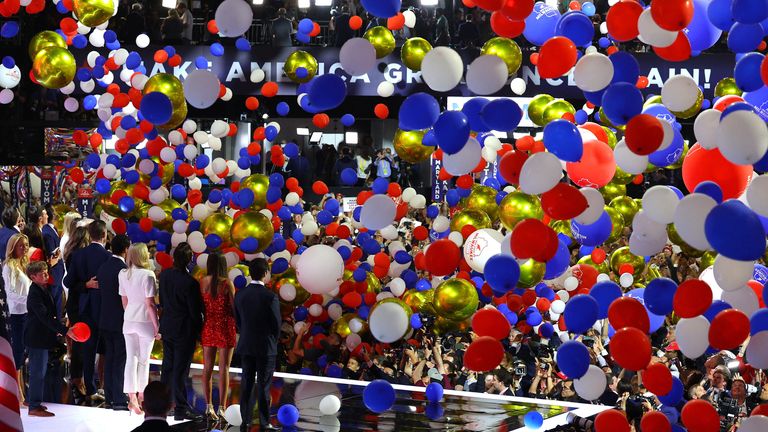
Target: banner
<point x="47" y="186"/>
<point x="85" y="199"/>
<point x="13" y="180"/>
<point x="439" y="187"/>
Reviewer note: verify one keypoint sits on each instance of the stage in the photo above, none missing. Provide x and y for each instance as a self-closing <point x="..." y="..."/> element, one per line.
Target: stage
<point x="459" y="411"/>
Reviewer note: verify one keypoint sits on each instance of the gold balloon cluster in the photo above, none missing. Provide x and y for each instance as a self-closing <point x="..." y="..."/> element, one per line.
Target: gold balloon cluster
<point x="626" y="206"/>
<point x="413" y="52"/>
<point x="536" y="108"/>
<point x="219" y="224"/>
<point x="531" y="273"/>
<point x="556" y="109"/>
<point x="258" y="184"/>
<point x="252" y="224"/>
<point x="484" y="198"/>
<point x="517" y="206"/>
<point x="171" y="87"/>
<point x="300" y="59"/>
<point x="470" y="216"/>
<point x="613" y="190"/>
<point x="507" y="50"/>
<point x="617" y="224"/>
<point x="341" y="325"/>
<point x="455" y="299"/>
<point x="382" y="39"/>
<point x="420" y="301"/>
<point x="113" y="209"/>
<point x="409" y="147"/>
<point x="53" y="66"/>
<point x="93" y="12"/>
<point x="168" y="206"/>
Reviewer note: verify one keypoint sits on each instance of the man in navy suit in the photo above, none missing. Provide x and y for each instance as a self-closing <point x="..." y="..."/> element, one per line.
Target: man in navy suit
<point x="257" y="316"/>
<point x="81" y="278"/>
<point x="157" y="402"/>
<point x="51" y="242"/>
<point x="111" y="323"/>
<point x="10" y="227"/>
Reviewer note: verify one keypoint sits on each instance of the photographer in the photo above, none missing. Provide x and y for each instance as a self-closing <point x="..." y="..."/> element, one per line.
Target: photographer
<point x="542" y="384"/>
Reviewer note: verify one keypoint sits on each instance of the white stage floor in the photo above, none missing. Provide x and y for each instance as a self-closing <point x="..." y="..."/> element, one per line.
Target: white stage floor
<point x="72" y="418"/>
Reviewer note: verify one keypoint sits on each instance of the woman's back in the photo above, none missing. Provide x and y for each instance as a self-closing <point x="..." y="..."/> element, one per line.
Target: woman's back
<point x="219" y="324"/>
<point x="137" y="284"/>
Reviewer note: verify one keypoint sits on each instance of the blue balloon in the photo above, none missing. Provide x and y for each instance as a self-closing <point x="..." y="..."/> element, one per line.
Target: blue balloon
<point x="434" y="411"/>
<point x="429" y="139"/>
<point x="271" y="132"/>
<point x="126" y="204"/>
<point x="546" y="330"/>
<point x="719" y="14"/>
<point x="656" y="320"/>
<point x="749" y="11"/>
<point x="502" y="114"/>
<point x="669" y="155"/>
<point x="9" y="29"/>
<point x="581" y="117"/>
<point x="735" y="231"/>
<point x="533" y="316"/>
<point x="242" y="44"/>
<point x="9" y="62"/>
<point x="434" y="392"/>
<point x="715" y="308"/>
<point x="760" y="274"/>
<point x="580" y="313"/>
<point x="382" y="8"/>
<point x="379" y="396"/>
<point x="216" y="49"/>
<point x="472" y="109"/>
<point x="576" y="26"/>
<point x="744" y="38"/>
<point x="747" y="72"/>
<point x="541" y="24"/>
<point x="348" y="120"/>
<point x="502" y="272"/>
<point x="675" y="395"/>
<point x="533" y="420"/>
<point x="291" y="150"/>
<point x="156" y="108"/>
<point x="348" y="176"/>
<point x="621" y="102"/>
<point x="758" y="322"/>
<point x="283" y="108"/>
<point x="605" y="293"/>
<point x="419" y="111"/>
<point x="327" y="92"/>
<point x="701" y="32"/>
<point x="452" y="131"/>
<point x="288" y="415"/>
<point x="759" y="101"/>
<point x="306" y="25"/>
<point x="626" y="69"/>
<point x="559" y="263"/>
<point x="562" y="139"/>
<point x="659" y="294"/>
<point x="302" y="37"/>
<point x="572" y="358"/>
<point x="416" y="321"/>
<point x="594" y="234"/>
<point x="710" y="189"/>
<point x="588" y="8"/>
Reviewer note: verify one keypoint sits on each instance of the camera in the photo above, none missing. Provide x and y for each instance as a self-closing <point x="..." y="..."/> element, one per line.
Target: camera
<point x="728" y="408"/>
<point x="520" y="369"/>
<point x="544" y="366"/>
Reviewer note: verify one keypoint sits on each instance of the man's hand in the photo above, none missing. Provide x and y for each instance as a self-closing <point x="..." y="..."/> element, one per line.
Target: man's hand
<point x="92" y="283"/>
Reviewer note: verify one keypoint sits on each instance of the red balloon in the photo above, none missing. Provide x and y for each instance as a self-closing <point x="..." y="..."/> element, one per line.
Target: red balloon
<point x="505" y="27"/>
<point x="761" y="409"/>
<point x="658" y="379"/>
<point x="622" y="20"/>
<point x="526" y="238"/>
<point x="490" y="322"/>
<point x="630" y="348"/>
<point x="165" y="260"/>
<point x="626" y="268"/>
<point x="611" y="421"/>
<point x="726" y="101"/>
<point x="644" y="134"/>
<point x="692" y="298"/>
<point x="119" y="226"/>
<point x="728" y="330"/>
<point x="510" y="165"/>
<point x="551" y="243"/>
<point x="764" y="71"/>
<point x="700" y="416"/>
<point x="81" y="332"/>
<point x="628" y="312"/>
<point x="352" y="299"/>
<point x="598" y="255"/>
<point x="757" y="287"/>
<point x="517" y="10"/>
<point x="702" y="165"/>
<point x="596" y="167"/>
<point x="442" y="257"/>
<point x="672" y="15"/>
<point x="319" y="187"/>
<point x="654" y="421"/>
<point x="483" y="354"/>
<point x="556" y="57"/>
<point x="596" y="130"/>
<point x="563" y="202"/>
<point x="355" y="22"/>
<point x="381" y="111"/>
<point x="680" y="50"/>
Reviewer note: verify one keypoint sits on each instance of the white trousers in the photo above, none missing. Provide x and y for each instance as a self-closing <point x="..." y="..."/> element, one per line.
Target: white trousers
<point x="139" y="338"/>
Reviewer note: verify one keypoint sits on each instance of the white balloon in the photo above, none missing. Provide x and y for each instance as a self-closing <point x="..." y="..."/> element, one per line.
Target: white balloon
<point x="233" y="17"/>
<point x="465" y="160"/>
<point x="330" y="404"/>
<point x="489" y="155"/>
<point x="757" y="195"/>
<point x="456" y="238"/>
<point x="680" y="93"/>
<point x="742" y="137"/>
<point x="190" y="151"/>
<point x="200" y="137"/>
<point x="692" y="336"/>
<point x="626" y="280"/>
<point x="593" y="72"/>
<point x="196" y="241"/>
<point x="142" y="40"/>
<point x="309" y="228"/>
<point x="441" y="224"/>
<point x="648" y="236"/>
<point x="408" y="194"/>
<point x="357" y="56"/>
<point x="743" y="299"/>
<point x="755" y="423"/>
<point x="71" y="104"/>
<point x="731" y="274"/>
<point x="651" y="33"/>
<point x="540" y="173"/>
<point x="232" y="415"/>
<point x="219" y="128"/>
<point x="487" y="74"/>
<point x="292" y="198"/>
<point x="10" y="77"/>
<point x="410" y="18"/>
<point x="320" y="269"/>
<point x="660" y="203"/>
<point x="757" y="351"/>
<point x="518" y="86"/>
<point x="257" y="76"/>
<point x="385" y="89"/>
<point x="571" y="283"/>
<point x="669" y="134"/>
<point x="592" y="385"/>
<point x="442" y="69"/>
<point x="418" y="202"/>
<point x="480" y="246"/>
<point x="315" y="310"/>
<point x="388" y="322"/>
<point x="397" y="287"/>
<point x="378" y="212"/>
<point x="201" y="88"/>
<point x="627" y="160"/>
<point x="705" y="128"/>
<point x="708" y="275"/>
<point x="689" y="218"/>
<point x="595" y="206"/>
<point x="557" y="306"/>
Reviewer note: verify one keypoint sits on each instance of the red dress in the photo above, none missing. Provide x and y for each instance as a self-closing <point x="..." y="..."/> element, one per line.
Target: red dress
<point x="219" y="325"/>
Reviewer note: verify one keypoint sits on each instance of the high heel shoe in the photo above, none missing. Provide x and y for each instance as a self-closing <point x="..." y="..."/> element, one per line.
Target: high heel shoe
<point x="134" y="409"/>
<point x="211" y="414"/>
<point x="77" y="396"/>
<point x="221" y="413"/>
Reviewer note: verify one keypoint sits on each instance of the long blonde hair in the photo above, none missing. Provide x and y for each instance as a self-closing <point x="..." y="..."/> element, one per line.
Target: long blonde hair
<point x="70" y="222"/>
<point x="138" y="257"/>
<point x="17" y="264"/>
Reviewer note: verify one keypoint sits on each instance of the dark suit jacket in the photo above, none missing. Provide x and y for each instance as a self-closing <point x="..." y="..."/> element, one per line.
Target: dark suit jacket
<point x="153" y="426"/>
<point x="5" y="235"/>
<point x="42" y="322"/>
<point x="52" y="240"/>
<point x="182" y="305"/>
<point x="111" y="316"/>
<point x="83" y="265"/>
<point x="257" y="316"/>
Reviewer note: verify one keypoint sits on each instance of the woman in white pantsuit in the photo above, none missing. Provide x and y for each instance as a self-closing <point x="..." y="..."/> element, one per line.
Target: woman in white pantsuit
<point x="138" y="287"/>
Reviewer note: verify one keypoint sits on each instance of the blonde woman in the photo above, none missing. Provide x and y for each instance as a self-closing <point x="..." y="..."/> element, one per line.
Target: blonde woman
<point x="69" y="225"/>
<point x="17" y="287"/>
<point x="138" y="287"/>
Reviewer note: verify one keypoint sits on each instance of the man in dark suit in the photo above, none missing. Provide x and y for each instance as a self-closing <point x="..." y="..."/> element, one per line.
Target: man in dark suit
<point x="51" y="242"/>
<point x="257" y="317"/>
<point x="81" y="277"/>
<point x="157" y="403"/>
<point x="10" y="227"/>
<point x="181" y="321"/>
<point x="111" y="323"/>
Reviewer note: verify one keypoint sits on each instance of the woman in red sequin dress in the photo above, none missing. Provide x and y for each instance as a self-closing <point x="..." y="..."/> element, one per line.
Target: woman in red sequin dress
<point x="218" y="329"/>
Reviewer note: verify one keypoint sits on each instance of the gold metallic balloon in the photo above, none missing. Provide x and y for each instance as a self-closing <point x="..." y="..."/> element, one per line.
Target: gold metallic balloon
<point x="289" y="277"/>
<point x="507" y="50"/>
<point x="258" y="184"/>
<point x="300" y="59"/>
<point x="252" y="224"/>
<point x="621" y="256"/>
<point x="341" y="325"/>
<point x="484" y="198"/>
<point x="444" y="326"/>
<point x="219" y="224"/>
<point x="45" y="39"/>
<point x="168" y="206"/>
<point x="455" y="299"/>
<point x="687" y="249"/>
<point x="413" y="52"/>
<point x="198" y="273"/>
<point x="611" y="138"/>
<point x="617" y="224"/>
<point x="622" y="177"/>
<point x="613" y="190"/>
<point x="113" y="209"/>
<point x="54" y="67"/>
<point x="420" y="301"/>
<point x="93" y="12"/>
<point x="536" y="108"/>
<point x="605" y="121"/>
<point x="531" y="273"/>
<point x="626" y="206"/>
<point x="382" y="40"/>
<point x="373" y="282"/>
<point x="561" y="227"/>
<point x="517" y="206"/>
<point x="653" y="100"/>
<point x="409" y="147"/>
<point x="602" y="267"/>
<point x="708" y="259"/>
<point x="692" y="111"/>
<point x="157" y="350"/>
<point x="170" y="86"/>
<point x="243" y="269"/>
<point x="197" y="357"/>
<point x="727" y="86"/>
<point x="556" y="109"/>
<point x="469" y="216"/>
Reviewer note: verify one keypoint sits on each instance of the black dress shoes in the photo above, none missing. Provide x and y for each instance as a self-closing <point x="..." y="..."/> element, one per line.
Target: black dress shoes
<point x="186" y="414"/>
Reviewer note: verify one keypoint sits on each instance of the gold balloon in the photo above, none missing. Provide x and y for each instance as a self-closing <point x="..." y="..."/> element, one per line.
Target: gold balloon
<point x="413" y="52"/>
<point x="409" y="147"/>
<point x="653" y="100"/>
<point x="605" y="121"/>
<point x="727" y="86"/>
<point x="622" y="177"/>
<point x="54" y="67"/>
<point x="444" y="326"/>
<point x="93" y="12"/>
<point x="61" y="210"/>
<point x="692" y="111"/>
<point x="197" y="357"/>
<point x="531" y="273"/>
<point x="258" y="184"/>
<point x="484" y="198"/>
<point x="157" y="350"/>
<point x="517" y="206"/>
<point x="626" y="206"/>
<point x="687" y="249"/>
<point x="219" y="224"/>
<point x="507" y="50"/>
<point x="170" y="86"/>
<point x="243" y="268"/>
<point x="708" y="259"/>
<point x="289" y="277"/>
<point x="113" y="209"/>
<point x="300" y="59"/>
<point x="536" y="108"/>
<point x="198" y="273"/>
<point x="613" y="190"/>
<point x="561" y="227"/>
<point x="341" y="325"/>
<point x="455" y="299"/>
<point x="611" y="138"/>
<point x="168" y="206"/>
<point x="602" y="267"/>
<point x="382" y="40"/>
<point x="621" y="256"/>
<point x="45" y="39"/>
<point x="617" y="224"/>
<point x="420" y="301"/>
<point x="469" y="216"/>
<point x="373" y="282"/>
<point x="252" y="224"/>
<point x="556" y="109"/>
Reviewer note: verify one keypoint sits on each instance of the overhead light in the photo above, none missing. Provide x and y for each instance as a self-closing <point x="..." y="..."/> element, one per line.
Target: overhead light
<point x="170" y="4"/>
<point x="429" y="2"/>
<point x="350" y="137"/>
<point x="258" y="2"/>
<point x="302" y="131"/>
<point x="323" y="2"/>
<point x="316" y="137"/>
<point x="303" y="4"/>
